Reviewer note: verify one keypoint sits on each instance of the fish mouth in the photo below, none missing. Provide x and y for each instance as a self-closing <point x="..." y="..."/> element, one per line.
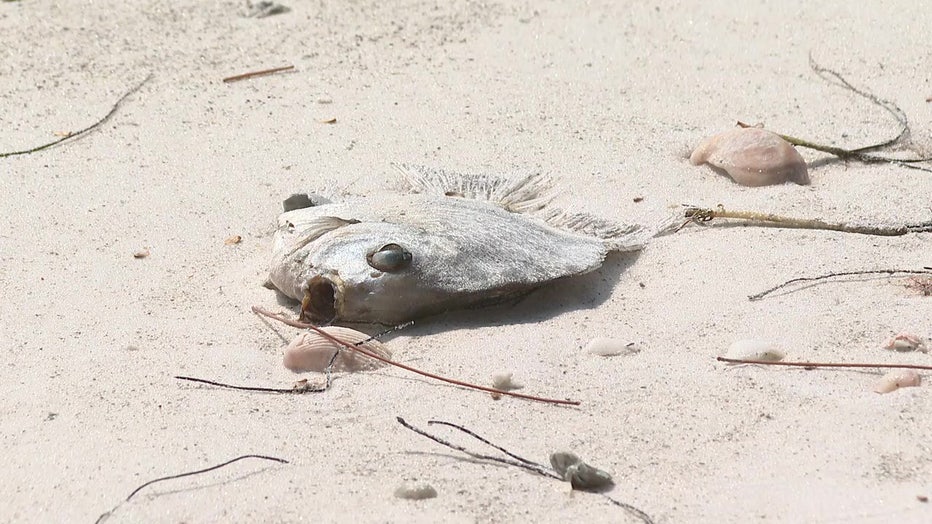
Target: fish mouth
<point x="323" y="298"/>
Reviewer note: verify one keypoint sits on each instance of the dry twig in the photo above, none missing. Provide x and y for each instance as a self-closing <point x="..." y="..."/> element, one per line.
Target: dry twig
<point x="254" y="74"/>
<point x="519" y="462"/>
<point x="924" y="271"/>
<point x="107" y="514"/>
<point x="76" y="134"/>
<point x="814" y="365"/>
<point x="700" y="215"/>
<point x="304" y="325"/>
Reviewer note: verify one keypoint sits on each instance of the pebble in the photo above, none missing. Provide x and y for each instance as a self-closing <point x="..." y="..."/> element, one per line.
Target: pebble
<point x="415" y="491"/>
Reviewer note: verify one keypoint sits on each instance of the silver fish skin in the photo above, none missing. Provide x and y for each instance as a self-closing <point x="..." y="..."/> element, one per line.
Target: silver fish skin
<point x="452" y="241"/>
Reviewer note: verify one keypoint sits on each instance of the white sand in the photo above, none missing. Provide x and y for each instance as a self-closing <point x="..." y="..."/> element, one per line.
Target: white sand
<point x="608" y="98"/>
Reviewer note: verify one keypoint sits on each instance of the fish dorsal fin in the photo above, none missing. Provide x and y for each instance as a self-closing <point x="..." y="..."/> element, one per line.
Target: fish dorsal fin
<point x="617" y="237"/>
<point x="313" y="229"/>
<point x="519" y="194"/>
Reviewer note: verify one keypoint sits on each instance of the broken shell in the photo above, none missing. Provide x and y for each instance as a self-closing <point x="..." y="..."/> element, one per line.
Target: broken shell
<point x="415" y="491"/>
<point x="752" y="157"/>
<point x="310" y="351"/>
<point x="907" y="342"/>
<point x="580" y="475"/>
<point x="610" y="347"/>
<point x="895" y="380"/>
<point x="751" y="349"/>
<point x="504" y="382"/>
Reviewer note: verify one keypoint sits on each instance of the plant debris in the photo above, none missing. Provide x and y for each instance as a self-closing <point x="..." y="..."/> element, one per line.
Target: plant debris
<point x="891" y="272"/>
<point x="87" y="129"/>
<point x="254" y="74"/>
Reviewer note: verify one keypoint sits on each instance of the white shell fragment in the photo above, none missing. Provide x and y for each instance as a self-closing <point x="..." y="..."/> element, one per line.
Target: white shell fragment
<point x="580" y="475"/>
<point x="895" y="380"/>
<point x="610" y="347"/>
<point x="415" y="491"/>
<point x="752" y="157"/>
<point x="752" y="349"/>
<point x="907" y="342"/>
<point x="505" y="382"/>
<point x="310" y="351"/>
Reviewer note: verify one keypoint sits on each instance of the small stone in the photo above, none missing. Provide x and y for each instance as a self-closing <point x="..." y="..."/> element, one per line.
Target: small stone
<point x="142" y="253"/>
<point x="415" y="491"/>
<point x="580" y="475"/>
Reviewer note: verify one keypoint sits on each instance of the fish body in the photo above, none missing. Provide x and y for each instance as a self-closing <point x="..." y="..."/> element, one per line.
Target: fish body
<point x="450" y="242"/>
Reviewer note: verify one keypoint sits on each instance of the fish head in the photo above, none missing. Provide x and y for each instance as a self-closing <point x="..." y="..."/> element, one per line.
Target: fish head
<point x="362" y="271"/>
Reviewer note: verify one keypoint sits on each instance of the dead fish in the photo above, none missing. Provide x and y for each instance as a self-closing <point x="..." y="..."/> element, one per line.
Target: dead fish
<point x="450" y="241"/>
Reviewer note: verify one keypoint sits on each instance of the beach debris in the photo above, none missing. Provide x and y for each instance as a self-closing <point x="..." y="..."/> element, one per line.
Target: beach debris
<point x="505" y="381"/>
<point x="757" y="350"/>
<point x="299" y="386"/>
<point x="324" y="100"/>
<point x="309" y="351"/>
<point x="610" y="347"/>
<point x="752" y="157"/>
<point x="702" y="216"/>
<point x="332" y="120"/>
<point x="254" y="74"/>
<point x="867" y="153"/>
<point x="233" y="240"/>
<point x="452" y="241"/>
<point x="264" y="8"/>
<point x="920" y="284"/>
<point x="907" y="342"/>
<point x="81" y="132"/>
<point x="890" y="272"/>
<point x="355" y="347"/>
<point x="895" y="380"/>
<point x="564" y="466"/>
<point x="141" y="253"/>
<point x="415" y="491"/>
<point x="107" y="514"/>
<point x="580" y="475"/>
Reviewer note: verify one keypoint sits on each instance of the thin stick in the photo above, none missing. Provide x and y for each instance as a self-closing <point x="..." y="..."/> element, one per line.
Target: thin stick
<point x="294" y="390"/>
<point x="820" y="364"/>
<point x="762" y="294"/>
<point x="104" y="516"/>
<point x="523" y="464"/>
<point x="702" y="215"/>
<point x="484" y="441"/>
<point x="91" y="127"/>
<point x="304" y="325"/>
<point x="526" y="465"/>
<point x="254" y="74"/>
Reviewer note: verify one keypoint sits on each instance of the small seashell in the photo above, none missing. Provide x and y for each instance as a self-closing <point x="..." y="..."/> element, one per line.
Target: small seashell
<point x="235" y="239"/>
<point x="907" y="342"/>
<point x="580" y="475"/>
<point x="610" y="347"/>
<point x="751" y="349"/>
<point x="310" y="351"/>
<point x="142" y="253"/>
<point x="895" y="380"/>
<point x="415" y="491"/>
<point x="752" y="157"/>
<point x="505" y="382"/>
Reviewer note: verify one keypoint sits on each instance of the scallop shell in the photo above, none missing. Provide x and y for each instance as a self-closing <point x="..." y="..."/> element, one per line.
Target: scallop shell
<point x="310" y="351"/>
<point x="907" y="342"/>
<point x="895" y="380"/>
<point x="752" y="157"/>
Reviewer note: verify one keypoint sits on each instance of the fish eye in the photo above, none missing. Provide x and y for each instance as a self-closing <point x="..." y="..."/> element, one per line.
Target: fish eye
<point x="389" y="258"/>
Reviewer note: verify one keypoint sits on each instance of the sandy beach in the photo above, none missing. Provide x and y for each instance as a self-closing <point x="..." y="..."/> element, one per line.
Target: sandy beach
<point x="608" y="98"/>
